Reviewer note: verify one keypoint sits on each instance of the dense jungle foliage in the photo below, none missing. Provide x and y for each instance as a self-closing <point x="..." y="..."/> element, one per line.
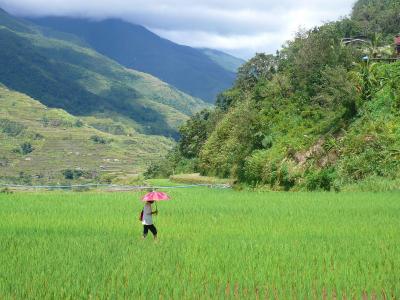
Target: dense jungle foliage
<point x="314" y="116"/>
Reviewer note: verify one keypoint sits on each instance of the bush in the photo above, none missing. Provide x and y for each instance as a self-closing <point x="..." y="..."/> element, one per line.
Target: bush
<point x="45" y="121"/>
<point x="253" y="169"/>
<point x="24" y="178"/>
<point x="107" y="178"/>
<point x="285" y="178"/>
<point x="68" y="174"/>
<point x="11" y="128"/>
<point x="4" y="161"/>
<point x="76" y="174"/>
<point x="26" y="148"/>
<point x="278" y="173"/>
<point x="321" y="180"/>
<point x="98" y="139"/>
<point x="163" y="169"/>
<point x="6" y="190"/>
<point x="78" y="123"/>
<point x="37" y="136"/>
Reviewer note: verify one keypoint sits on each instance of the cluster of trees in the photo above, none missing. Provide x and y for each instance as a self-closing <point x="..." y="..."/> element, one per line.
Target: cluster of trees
<point x="72" y="174"/>
<point x="24" y="148"/>
<point x="307" y="117"/>
<point x="99" y="140"/>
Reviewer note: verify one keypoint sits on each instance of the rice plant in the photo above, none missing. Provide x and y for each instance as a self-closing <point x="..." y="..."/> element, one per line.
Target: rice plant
<point x="212" y="244"/>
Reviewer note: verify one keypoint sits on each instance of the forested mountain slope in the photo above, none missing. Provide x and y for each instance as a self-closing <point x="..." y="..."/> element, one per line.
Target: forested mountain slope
<point x="377" y="16"/>
<point x="227" y="61"/>
<point x="63" y="74"/>
<point x="133" y="46"/>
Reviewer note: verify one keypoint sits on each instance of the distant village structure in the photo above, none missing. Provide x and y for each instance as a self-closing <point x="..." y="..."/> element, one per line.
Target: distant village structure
<point x="376" y="55"/>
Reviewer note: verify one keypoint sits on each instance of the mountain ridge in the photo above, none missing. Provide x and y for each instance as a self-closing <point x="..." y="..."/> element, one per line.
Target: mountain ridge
<point x="64" y="74"/>
<point x="225" y="60"/>
<point x="136" y="47"/>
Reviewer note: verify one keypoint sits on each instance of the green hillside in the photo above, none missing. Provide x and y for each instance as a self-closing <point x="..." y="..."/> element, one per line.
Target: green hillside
<point x="133" y="46"/>
<point x="64" y="74"/>
<point x="228" y="62"/>
<point x="41" y="145"/>
<point x="316" y="116"/>
<point x="377" y="16"/>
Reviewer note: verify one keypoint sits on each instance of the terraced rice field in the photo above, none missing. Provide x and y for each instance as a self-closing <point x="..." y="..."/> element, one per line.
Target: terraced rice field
<point x="212" y="244"/>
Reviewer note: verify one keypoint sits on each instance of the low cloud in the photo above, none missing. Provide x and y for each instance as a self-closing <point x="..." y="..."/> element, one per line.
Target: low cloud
<point x="238" y="27"/>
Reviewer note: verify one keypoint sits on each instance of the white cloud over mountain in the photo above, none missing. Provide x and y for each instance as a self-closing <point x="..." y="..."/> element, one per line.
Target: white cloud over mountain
<point x="239" y="27"/>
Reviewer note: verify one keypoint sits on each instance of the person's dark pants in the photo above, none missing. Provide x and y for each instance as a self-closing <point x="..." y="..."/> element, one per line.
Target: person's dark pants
<point x="398" y="50"/>
<point x="151" y="227"/>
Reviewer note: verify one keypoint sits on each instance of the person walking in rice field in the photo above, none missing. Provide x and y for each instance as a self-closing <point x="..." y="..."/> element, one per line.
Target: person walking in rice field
<point x="147" y="220"/>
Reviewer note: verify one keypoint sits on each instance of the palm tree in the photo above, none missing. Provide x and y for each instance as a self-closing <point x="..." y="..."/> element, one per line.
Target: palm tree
<point x="365" y="76"/>
<point x="371" y="47"/>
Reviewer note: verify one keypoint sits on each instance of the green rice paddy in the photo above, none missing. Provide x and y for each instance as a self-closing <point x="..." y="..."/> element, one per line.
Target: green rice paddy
<point x="213" y="244"/>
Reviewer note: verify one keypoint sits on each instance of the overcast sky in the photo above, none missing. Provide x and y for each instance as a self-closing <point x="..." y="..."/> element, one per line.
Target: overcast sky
<point x="239" y="27"/>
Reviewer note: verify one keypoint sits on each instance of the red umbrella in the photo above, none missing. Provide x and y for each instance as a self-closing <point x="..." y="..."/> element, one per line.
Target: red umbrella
<point x="155" y="196"/>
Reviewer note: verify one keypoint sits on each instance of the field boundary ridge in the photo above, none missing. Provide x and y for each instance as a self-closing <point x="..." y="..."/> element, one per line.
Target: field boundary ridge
<point x="111" y="187"/>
